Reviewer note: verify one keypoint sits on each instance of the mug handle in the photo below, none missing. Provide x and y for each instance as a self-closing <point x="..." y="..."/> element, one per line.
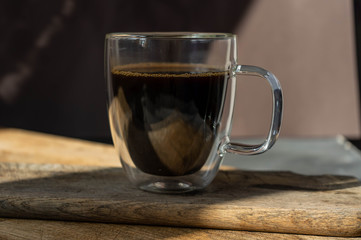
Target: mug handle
<point x="246" y="149"/>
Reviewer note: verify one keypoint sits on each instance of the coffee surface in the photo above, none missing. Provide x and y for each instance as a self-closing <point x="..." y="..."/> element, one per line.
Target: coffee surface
<point x="168" y="114"/>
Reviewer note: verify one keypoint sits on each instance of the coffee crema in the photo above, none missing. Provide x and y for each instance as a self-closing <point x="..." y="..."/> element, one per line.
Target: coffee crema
<point x="168" y="114"/>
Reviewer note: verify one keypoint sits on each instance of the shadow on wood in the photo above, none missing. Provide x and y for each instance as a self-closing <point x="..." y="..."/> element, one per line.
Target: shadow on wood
<point x="281" y="202"/>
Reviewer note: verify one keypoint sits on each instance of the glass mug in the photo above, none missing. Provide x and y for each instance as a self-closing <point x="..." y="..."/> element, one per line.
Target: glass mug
<point x="170" y="105"/>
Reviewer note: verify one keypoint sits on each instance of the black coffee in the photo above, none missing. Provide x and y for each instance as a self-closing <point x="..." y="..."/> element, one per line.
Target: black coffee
<point x="168" y="114"/>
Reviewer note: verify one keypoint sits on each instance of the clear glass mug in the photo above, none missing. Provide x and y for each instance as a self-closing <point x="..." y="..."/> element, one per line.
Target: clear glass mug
<point x="170" y="105"/>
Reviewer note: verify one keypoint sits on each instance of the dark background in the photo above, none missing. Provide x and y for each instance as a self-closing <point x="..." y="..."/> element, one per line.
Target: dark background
<point x="357" y="17"/>
<point x="51" y="55"/>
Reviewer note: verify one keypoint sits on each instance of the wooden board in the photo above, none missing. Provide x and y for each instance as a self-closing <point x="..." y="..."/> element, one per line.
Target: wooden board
<point x="280" y="202"/>
<point x="32" y="147"/>
<point x="19" y="229"/>
<point x="238" y="200"/>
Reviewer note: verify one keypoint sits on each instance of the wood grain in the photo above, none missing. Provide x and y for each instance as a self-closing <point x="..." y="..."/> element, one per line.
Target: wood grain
<point x="32" y="147"/>
<point x="40" y="178"/>
<point x="15" y="229"/>
<point x="238" y="200"/>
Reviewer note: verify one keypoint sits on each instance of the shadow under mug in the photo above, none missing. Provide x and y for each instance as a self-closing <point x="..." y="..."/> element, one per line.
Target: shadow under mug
<point x="170" y="105"/>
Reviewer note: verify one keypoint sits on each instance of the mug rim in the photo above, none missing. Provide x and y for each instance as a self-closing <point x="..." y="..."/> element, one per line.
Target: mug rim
<point x="169" y="35"/>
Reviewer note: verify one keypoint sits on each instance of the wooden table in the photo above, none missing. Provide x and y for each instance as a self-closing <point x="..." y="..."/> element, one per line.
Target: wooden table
<point x="53" y="187"/>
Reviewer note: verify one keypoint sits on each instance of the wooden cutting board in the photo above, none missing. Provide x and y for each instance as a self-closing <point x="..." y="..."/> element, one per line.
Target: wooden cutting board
<point x="281" y="202"/>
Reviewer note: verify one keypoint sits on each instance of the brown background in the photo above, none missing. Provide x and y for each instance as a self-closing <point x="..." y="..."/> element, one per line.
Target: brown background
<point x="51" y="58"/>
<point x="309" y="45"/>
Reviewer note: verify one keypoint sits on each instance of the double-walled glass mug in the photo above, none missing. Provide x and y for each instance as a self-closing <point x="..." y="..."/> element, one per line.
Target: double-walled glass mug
<point x="170" y="104"/>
